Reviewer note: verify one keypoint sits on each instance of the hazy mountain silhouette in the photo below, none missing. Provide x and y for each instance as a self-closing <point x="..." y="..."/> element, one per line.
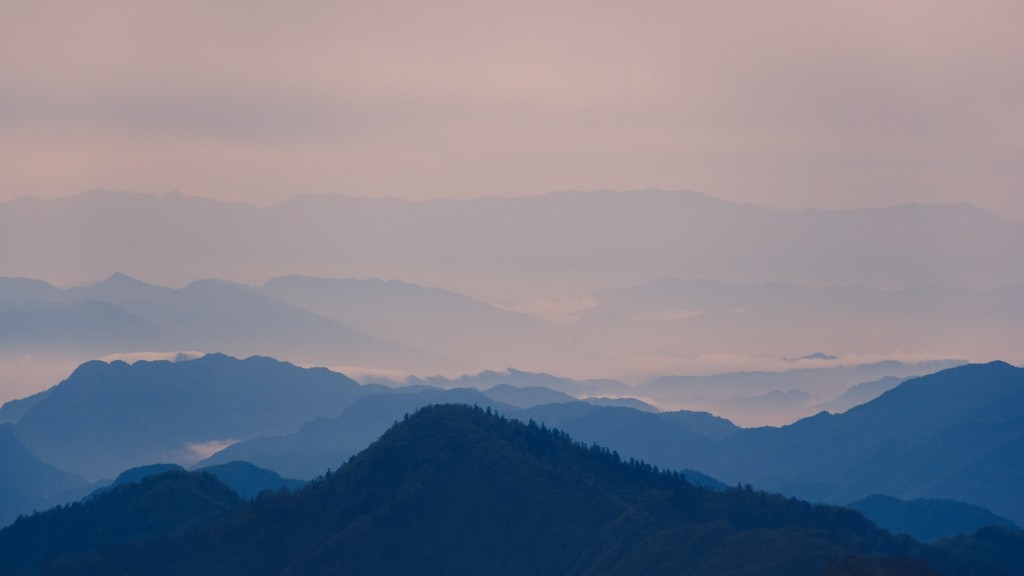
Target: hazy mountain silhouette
<point x="776" y="401"/>
<point x="661" y="328"/>
<point x="702" y="318"/>
<point x="217" y="315"/>
<point x="956" y="434"/>
<point x="860" y="394"/>
<point x="762" y="382"/>
<point x="928" y="520"/>
<point x="525" y="389"/>
<point x="522" y="379"/>
<point x="514" y="248"/>
<point x="813" y="356"/>
<point x="105" y="418"/>
<point x="452" y="324"/>
<point x="88" y="327"/>
<point x="455" y="490"/>
<point x="621" y="403"/>
<point x="14" y="291"/>
<point x="525" y="253"/>
<point x="122" y="314"/>
<point x="755" y="397"/>
<point x="525" y="397"/>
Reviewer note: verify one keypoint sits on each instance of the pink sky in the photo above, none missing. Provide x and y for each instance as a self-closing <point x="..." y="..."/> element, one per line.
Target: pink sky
<point x="789" y="104"/>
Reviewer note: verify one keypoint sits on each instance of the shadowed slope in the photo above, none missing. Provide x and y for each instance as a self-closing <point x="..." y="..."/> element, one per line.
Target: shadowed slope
<point x="155" y="507"/>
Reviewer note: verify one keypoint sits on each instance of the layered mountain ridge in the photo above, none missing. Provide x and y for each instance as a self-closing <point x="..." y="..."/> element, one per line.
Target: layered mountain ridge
<point x="442" y="242"/>
<point x="458" y="489"/>
<point x="954" y="434"/>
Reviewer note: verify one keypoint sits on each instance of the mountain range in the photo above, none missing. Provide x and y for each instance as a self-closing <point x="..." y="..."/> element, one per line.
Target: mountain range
<point x="383" y="330"/>
<point x="450" y="324"/>
<point x="515" y="249"/>
<point x="697" y="321"/>
<point x="761" y="397"/>
<point x="107" y="417"/>
<point x="454" y="489"/>
<point x="122" y="314"/>
<point x="633" y="273"/>
<point x="955" y="434"/>
<point x="932" y="437"/>
<point x="624" y="285"/>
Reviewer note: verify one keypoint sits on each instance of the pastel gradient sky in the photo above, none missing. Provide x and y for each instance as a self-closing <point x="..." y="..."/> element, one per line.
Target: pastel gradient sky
<point x="789" y="104"/>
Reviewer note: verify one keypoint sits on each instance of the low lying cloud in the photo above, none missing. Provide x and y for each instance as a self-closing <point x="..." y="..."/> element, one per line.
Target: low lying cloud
<point x="195" y="452"/>
<point x="562" y="310"/>
<point x="645" y="367"/>
<point x="133" y="357"/>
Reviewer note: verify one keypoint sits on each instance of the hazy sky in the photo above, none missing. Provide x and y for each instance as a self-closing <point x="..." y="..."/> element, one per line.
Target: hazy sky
<point x="791" y="104"/>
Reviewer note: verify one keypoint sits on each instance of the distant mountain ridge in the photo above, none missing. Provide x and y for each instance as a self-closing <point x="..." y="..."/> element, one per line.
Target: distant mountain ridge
<point x="453" y="243"/>
<point x="107" y="417"/>
<point x="861" y="393"/>
<point x="704" y="317"/>
<point x="123" y="314"/>
<point x="448" y="323"/>
<point x="741" y="283"/>
<point x="521" y="379"/>
<point x="781" y="397"/>
<point x="655" y="330"/>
